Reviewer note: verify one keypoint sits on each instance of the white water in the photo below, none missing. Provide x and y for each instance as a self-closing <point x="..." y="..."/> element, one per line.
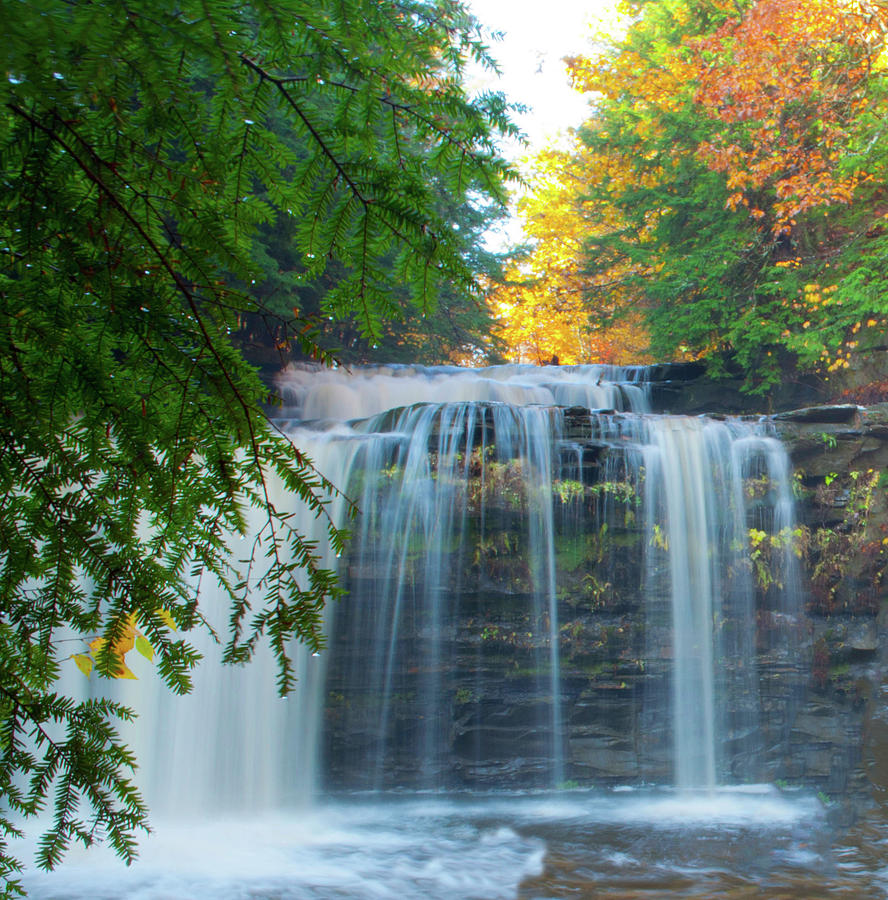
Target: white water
<point x="698" y="519"/>
<point x="233" y="746"/>
<point x="342" y="394"/>
<point x="462" y="847"/>
<point x="406" y="536"/>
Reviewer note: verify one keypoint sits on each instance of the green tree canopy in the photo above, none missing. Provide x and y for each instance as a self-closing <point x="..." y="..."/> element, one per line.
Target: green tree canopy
<point x="143" y="145"/>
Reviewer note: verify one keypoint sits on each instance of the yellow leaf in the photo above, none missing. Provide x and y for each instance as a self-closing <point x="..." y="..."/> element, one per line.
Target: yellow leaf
<point x="143" y="645"/>
<point x="123" y="671"/>
<point x="84" y="663"/>
<point x="125" y="642"/>
<point x="167" y="619"/>
<point x="96" y="645"/>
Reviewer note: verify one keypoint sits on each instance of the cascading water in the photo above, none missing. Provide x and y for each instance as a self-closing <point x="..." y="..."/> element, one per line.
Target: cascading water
<point x="439" y="484"/>
<point x="478" y="498"/>
<point x="436" y="466"/>
<point x="547" y="586"/>
<point x="698" y="520"/>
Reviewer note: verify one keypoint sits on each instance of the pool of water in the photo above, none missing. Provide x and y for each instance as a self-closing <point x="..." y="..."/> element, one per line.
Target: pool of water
<point x="638" y="843"/>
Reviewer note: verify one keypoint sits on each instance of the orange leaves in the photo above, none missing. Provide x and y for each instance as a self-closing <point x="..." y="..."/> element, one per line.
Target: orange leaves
<point x="735" y="153"/>
<point x="129" y="638"/>
<point x="787" y="81"/>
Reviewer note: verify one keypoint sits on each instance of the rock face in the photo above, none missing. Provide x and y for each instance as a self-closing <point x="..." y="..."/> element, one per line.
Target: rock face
<point x="840" y="456"/>
<point x="500" y="687"/>
<point x="687" y="389"/>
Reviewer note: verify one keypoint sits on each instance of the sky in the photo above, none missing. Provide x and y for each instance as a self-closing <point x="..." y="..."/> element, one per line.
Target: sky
<point x="538" y="34"/>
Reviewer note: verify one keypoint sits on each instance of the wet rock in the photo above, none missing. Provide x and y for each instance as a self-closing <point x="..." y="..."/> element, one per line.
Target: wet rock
<point x="816" y="724"/>
<point x="616" y="652"/>
<point x="603" y="757"/>
<point x="838" y="414"/>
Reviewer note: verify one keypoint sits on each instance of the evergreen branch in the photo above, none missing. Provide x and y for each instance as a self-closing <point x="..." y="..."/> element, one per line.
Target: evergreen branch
<point x="316" y="136"/>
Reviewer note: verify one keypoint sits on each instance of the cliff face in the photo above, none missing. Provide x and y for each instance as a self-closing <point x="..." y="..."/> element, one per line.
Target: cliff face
<point x="818" y="673"/>
<point x="840" y="460"/>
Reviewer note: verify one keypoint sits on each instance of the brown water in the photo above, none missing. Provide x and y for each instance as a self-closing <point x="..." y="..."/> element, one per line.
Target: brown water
<point x="805" y="861"/>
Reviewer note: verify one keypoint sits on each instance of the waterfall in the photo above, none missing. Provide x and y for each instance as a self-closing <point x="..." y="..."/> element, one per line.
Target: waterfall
<point x="698" y="520"/>
<point x="546" y="584"/>
<point x="439" y="464"/>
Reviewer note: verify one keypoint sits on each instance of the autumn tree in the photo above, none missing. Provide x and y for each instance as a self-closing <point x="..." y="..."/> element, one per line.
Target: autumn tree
<point x="143" y="146"/>
<point x="733" y="177"/>
<point x="796" y="90"/>
<point x="551" y="306"/>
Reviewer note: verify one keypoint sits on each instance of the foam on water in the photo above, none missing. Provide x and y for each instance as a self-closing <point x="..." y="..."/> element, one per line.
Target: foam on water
<point x="362" y="851"/>
<point x="457" y="847"/>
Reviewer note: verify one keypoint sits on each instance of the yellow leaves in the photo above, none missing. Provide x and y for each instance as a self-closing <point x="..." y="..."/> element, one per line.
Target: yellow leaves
<point x="659" y="538"/>
<point x="756" y="537"/>
<point x="652" y="79"/>
<point x="544" y="310"/>
<point x="119" y="649"/>
<point x="129" y="638"/>
<point x="583" y="74"/>
<point x="815" y="296"/>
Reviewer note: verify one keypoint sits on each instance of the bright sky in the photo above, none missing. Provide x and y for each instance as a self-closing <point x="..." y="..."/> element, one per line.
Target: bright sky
<point x="538" y="34"/>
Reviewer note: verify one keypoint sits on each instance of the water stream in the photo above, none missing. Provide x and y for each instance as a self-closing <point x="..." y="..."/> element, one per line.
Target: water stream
<point x="548" y="677"/>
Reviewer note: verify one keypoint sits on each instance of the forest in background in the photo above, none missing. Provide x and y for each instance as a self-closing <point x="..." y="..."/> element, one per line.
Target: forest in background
<point x="725" y="199"/>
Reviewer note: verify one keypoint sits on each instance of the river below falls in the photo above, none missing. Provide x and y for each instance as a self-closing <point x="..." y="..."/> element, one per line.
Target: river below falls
<point x="623" y="843"/>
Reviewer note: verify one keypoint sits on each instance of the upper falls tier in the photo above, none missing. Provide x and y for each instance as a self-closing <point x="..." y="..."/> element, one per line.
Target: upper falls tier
<point x="361" y="392"/>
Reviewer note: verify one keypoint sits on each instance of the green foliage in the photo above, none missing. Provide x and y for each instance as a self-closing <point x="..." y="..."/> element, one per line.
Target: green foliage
<point x="746" y="221"/>
<point x="455" y="329"/>
<point x="851" y="551"/>
<point x="568" y="491"/>
<point x="143" y="146"/>
<point x="767" y="554"/>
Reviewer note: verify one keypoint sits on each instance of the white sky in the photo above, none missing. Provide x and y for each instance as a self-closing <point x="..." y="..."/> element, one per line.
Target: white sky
<point x="538" y="34"/>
